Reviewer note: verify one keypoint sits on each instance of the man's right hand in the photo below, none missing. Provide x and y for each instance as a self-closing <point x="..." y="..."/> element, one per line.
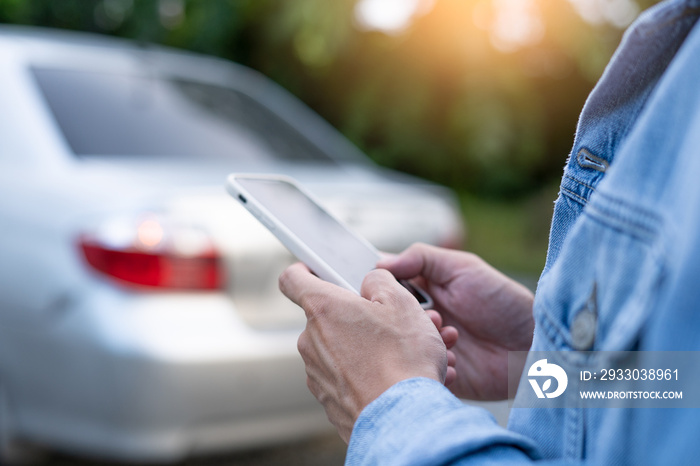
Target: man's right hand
<point x="491" y="312"/>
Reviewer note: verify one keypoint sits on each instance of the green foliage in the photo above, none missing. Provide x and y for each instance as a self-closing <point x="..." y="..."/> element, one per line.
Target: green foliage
<point x="511" y="235"/>
<point x="442" y="99"/>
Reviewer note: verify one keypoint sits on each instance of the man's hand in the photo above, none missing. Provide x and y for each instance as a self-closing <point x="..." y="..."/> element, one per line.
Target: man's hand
<point x="491" y="312"/>
<point x="356" y="347"/>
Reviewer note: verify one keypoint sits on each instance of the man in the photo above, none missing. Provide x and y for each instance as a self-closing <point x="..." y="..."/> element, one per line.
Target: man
<point x="622" y="274"/>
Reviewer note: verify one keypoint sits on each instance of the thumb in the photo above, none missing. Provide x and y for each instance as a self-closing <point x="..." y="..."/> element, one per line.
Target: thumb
<point x="418" y="260"/>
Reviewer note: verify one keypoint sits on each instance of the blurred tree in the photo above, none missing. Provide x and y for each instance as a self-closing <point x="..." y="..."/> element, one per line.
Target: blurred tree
<point x="481" y="95"/>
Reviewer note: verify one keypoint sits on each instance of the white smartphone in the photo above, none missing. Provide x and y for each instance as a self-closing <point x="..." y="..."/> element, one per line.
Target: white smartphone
<point x="310" y="232"/>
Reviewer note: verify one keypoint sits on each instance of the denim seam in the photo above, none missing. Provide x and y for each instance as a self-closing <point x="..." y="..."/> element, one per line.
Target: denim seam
<point x="635" y="231"/>
<point x="650" y="215"/>
<point x="574" y="426"/>
<point x="631" y="220"/>
<point x="575" y="197"/>
<point x="580" y="182"/>
<point x="553" y="331"/>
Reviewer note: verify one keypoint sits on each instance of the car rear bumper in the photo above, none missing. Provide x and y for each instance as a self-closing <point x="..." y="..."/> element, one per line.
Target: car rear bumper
<point x="159" y="378"/>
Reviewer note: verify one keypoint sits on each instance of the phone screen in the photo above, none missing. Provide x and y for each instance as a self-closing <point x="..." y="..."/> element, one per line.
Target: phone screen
<point x="349" y="256"/>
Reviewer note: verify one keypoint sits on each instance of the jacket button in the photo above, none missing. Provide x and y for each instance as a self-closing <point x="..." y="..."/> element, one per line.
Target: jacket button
<point x="583" y="330"/>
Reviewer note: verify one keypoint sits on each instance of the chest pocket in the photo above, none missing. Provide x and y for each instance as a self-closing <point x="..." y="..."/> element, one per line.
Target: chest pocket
<point x="603" y="285"/>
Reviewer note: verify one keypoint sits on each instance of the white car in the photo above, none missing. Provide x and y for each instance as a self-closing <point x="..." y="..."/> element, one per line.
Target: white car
<point x="139" y="312"/>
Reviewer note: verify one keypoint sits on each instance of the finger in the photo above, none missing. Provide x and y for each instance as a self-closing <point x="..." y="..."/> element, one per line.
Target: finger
<point x="381" y="286"/>
<point x="435" y="317"/>
<point x="407" y="264"/>
<point x="450" y="376"/>
<point x="451" y="358"/>
<point x="386" y="255"/>
<point x="419" y="259"/>
<point x="449" y="335"/>
<point x="307" y="290"/>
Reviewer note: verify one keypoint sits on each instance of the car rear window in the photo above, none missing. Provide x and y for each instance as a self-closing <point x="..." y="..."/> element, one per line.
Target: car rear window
<point x="128" y="115"/>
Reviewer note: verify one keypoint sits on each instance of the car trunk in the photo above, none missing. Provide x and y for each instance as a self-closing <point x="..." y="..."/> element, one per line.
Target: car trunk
<point x="391" y="219"/>
<point x="391" y="215"/>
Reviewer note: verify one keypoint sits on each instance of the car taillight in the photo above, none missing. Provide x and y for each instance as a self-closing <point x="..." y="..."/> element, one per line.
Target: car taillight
<point x="154" y="253"/>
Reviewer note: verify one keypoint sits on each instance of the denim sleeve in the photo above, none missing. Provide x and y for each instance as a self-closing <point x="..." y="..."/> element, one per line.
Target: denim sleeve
<point x="418" y="421"/>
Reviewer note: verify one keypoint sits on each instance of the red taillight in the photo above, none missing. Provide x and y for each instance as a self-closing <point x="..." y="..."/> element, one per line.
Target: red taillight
<point x="156" y="270"/>
<point x="153" y="259"/>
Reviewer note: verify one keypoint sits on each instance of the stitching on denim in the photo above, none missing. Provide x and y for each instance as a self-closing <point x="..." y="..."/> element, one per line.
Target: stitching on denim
<point x="634" y="208"/>
<point x="553" y="331"/>
<point x="579" y="182"/>
<point x="635" y="230"/>
<point x="574" y="196"/>
<point x="586" y="159"/>
<point x="573" y="442"/>
<point x="631" y="219"/>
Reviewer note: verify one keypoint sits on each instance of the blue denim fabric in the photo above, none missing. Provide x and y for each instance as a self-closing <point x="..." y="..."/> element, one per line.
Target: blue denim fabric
<point x="627" y="224"/>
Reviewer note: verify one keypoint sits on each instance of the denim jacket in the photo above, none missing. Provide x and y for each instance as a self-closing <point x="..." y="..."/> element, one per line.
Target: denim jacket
<point x="626" y="227"/>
